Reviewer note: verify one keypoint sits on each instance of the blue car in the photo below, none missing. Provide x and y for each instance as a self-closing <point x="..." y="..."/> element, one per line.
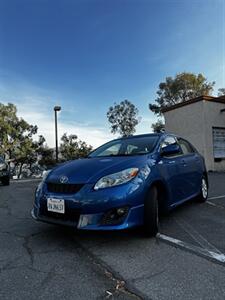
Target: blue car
<point x="125" y="183"/>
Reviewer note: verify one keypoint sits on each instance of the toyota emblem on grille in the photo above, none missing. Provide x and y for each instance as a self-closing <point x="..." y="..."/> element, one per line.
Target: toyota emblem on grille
<point x="63" y="179"/>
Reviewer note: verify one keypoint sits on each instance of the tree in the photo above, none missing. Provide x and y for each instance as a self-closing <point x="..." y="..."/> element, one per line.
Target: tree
<point x="27" y="153"/>
<point x="181" y="88"/>
<point x="158" y="126"/>
<point x="16" y="138"/>
<point x="47" y="159"/>
<point x="12" y="129"/>
<point x="123" y="118"/>
<point x="72" y="148"/>
<point x="221" y="92"/>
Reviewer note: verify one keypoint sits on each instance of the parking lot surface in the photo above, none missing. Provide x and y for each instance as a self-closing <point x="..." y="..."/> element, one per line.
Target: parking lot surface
<point x="41" y="261"/>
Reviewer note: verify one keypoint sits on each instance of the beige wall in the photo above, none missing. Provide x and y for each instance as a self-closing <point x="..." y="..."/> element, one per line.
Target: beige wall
<point x="194" y="122"/>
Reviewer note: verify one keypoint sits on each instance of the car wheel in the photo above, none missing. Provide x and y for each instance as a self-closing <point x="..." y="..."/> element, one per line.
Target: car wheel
<point x="151" y="213"/>
<point x="204" y="190"/>
<point x="5" y="180"/>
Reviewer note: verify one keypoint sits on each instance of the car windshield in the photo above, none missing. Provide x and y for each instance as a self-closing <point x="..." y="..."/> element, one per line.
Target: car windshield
<point x="127" y="147"/>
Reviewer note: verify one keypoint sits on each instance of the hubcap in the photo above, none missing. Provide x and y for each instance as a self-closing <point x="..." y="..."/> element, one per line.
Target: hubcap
<point x="204" y="188"/>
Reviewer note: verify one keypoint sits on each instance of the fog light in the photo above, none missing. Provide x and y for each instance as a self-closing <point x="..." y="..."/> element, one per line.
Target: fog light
<point x="121" y="211"/>
<point x="115" y="216"/>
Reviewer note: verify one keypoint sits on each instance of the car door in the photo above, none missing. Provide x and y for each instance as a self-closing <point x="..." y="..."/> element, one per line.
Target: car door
<point x="172" y="170"/>
<point x="191" y="168"/>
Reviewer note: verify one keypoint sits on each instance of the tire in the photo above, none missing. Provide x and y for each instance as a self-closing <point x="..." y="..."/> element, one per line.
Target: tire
<point x="5" y="180"/>
<point x="151" y="213"/>
<point x="204" y="191"/>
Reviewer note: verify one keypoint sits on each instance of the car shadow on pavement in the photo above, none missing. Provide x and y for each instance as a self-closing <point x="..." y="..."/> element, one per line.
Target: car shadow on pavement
<point x="116" y="235"/>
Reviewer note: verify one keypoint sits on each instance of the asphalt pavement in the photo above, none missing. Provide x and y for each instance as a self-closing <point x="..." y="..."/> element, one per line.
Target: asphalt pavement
<point x="42" y="261"/>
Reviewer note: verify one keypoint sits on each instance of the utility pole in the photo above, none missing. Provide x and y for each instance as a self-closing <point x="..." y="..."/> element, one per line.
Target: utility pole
<point x="56" y="109"/>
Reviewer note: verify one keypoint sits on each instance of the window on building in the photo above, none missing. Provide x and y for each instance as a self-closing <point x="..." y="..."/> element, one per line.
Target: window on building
<point x="219" y="142"/>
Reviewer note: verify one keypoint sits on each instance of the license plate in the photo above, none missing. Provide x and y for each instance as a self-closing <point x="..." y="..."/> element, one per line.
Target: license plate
<point x="56" y="205"/>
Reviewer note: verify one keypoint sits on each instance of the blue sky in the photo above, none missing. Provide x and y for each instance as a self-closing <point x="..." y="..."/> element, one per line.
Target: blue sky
<point x="86" y="55"/>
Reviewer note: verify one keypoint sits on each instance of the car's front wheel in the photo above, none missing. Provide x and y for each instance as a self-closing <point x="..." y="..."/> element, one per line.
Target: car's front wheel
<point x="204" y="190"/>
<point x="151" y="213"/>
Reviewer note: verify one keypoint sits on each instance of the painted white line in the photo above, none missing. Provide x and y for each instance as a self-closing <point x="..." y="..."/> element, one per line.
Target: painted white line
<point x="210" y="255"/>
<point x="25" y="180"/>
<point x="215" y="205"/>
<point x="203" y="242"/>
<point x="216" y="197"/>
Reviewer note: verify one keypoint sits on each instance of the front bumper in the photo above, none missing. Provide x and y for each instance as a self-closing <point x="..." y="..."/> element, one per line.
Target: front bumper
<point x="93" y="221"/>
<point x="4" y="173"/>
<point x="87" y="208"/>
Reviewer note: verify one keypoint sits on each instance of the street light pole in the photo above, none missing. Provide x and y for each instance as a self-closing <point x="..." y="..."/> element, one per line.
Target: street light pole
<point x="56" y="109"/>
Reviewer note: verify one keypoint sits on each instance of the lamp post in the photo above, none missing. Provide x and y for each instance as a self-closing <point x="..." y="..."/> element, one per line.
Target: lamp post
<point x="56" y="109"/>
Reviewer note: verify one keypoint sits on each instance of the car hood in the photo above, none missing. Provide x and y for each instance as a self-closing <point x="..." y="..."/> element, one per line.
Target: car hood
<point x="90" y="170"/>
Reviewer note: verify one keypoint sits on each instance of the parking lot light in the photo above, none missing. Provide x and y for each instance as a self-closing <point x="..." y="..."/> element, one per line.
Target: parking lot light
<point x="56" y="109"/>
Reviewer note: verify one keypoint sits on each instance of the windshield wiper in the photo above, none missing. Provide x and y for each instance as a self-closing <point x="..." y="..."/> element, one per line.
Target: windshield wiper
<point x="113" y="155"/>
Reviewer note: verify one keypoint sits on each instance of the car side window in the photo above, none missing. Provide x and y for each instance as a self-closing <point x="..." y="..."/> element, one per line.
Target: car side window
<point x="185" y="146"/>
<point x="113" y="150"/>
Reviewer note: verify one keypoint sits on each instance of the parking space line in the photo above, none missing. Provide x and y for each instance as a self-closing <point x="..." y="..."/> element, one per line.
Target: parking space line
<point x="216" y="197"/>
<point x="25" y="180"/>
<point x="210" y="255"/>
<point x="197" y="236"/>
<point x="215" y="205"/>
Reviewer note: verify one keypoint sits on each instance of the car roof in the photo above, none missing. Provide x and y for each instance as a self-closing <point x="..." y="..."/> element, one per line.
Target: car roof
<point x="160" y="134"/>
<point x="140" y="136"/>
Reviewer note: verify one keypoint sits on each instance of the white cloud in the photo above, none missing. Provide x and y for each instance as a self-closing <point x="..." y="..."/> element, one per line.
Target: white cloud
<point x="145" y="124"/>
<point x="92" y="135"/>
<point x="35" y="105"/>
<point x="38" y="111"/>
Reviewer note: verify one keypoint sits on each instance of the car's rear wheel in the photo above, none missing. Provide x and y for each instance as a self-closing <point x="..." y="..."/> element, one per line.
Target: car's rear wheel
<point x="204" y="190"/>
<point x="5" y="180"/>
<point x="151" y="213"/>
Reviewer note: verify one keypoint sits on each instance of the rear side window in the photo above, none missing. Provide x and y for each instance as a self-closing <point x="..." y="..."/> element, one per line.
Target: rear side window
<point x="185" y="146"/>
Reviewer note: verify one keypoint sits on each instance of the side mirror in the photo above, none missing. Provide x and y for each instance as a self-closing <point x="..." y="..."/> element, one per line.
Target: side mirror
<point x="170" y="150"/>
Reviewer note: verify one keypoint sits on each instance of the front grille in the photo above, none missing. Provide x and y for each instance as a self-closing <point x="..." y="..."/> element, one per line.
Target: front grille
<point x="63" y="188"/>
<point x="70" y="215"/>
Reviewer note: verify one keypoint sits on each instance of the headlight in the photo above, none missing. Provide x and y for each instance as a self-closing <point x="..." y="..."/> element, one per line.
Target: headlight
<point x="116" y="178"/>
<point x="44" y="176"/>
